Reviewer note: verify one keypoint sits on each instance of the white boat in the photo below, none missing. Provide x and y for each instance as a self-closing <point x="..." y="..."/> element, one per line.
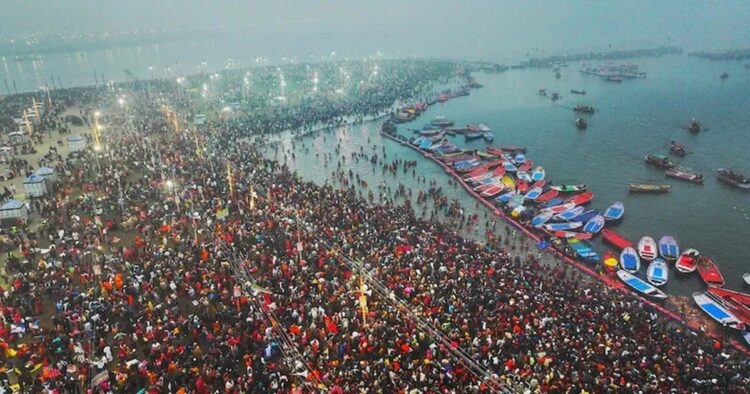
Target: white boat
<point x="647" y="248"/>
<point x="629" y="260"/>
<point x="687" y="262"/>
<point x="716" y="310"/>
<point x="746" y="277"/>
<point x="657" y="273"/>
<point x="541" y="218"/>
<point x="569" y="214"/>
<point x="640" y="285"/>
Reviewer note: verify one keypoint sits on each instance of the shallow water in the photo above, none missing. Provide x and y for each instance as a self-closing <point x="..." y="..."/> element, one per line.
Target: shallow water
<point x="634" y="118"/>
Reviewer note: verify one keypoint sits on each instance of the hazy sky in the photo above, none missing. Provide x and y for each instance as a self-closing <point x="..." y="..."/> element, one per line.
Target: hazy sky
<point x="465" y="26"/>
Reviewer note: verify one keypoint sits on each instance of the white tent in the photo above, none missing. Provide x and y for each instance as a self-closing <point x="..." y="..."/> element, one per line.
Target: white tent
<point x="35" y="186"/>
<point x="17" y="137"/>
<point x="47" y="174"/>
<point x="76" y="143"/>
<point x="14" y="209"/>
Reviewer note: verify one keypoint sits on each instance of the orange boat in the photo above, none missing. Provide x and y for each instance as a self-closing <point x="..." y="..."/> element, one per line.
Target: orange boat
<point x="616" y="239"/>
<point x="710" y="273"/>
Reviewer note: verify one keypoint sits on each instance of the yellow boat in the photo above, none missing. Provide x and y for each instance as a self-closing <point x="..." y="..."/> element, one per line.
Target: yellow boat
<point x="508" y="182"/>
<point x="648" y="188"/>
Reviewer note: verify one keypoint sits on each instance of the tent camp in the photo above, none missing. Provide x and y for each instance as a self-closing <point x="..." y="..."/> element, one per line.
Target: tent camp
<point x="13" y="210"/>
<point x="76" y="143"/>
<point x="47" y="174"/>
<point x="35" y="186"/>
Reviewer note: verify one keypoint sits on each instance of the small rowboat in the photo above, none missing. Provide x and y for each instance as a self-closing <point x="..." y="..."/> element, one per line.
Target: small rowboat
<point x="629" y="260"/>
<point x="533" y="194"/>
<point x="488" y="183"/>
<point x="509" y="167"/>
<point x="522" y="186"/>
<point x="640" y="285"/>
<point x="668" y="248"/>
<point x="586" y="216"/>
<point x="499" y="171"/>
<point x="520" y="158"/>
<point x="493" y="191"/>
<point x="504" y="198"/>
<point x="563" y="226"/>
<point x="538" y="174"/>
<point x="583" y="250"/>
<point x="480" y="178"/>
<point x="684" y="175"/>
<point x="659" y="161"/>
<point x="569" y="234"/>
<point x="513" y="148"/>
<point x="569" y="188"/>
<point x="553" y="203"/>
<point x="560" y="208"/>
<point x="569" y="214"/>
<point x="548" y="195"/>
<point x="523" y="175"/>
<point x="580" y="199"/>
<point x="687" y="262"/>
<point x="648" y="188"/>
<point x="609" y="260"/>
<point x="731" y="295"/>
<point x="594" y="225"/>
<point x="647" y="248"/>
<point x="614" y="212"/>
<point x="657" y="273"/>
<point x="526" y="166"/>
<point x="615" y="239"/>
<point x="541" y="218"/>
<point x="539" y="184"/>
<point x="473" y="135"/>
<point x="746" y="277"/>
<point x="495" y="152"/>
<point x="508" y="182"/>
<point x="710" y="273"/>
<point x="716" y="310"/>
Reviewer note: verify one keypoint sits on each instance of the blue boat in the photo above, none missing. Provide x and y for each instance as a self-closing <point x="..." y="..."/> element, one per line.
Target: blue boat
<point x="465" y="163"/>
<point x="563" y="226"/>
<point x="504" y="198"/>
<point x="586" y="216"/>
<point x="629" y="260"/>
<point x="534" y="193"/>
<point x="569" y="214"/>
<point x="668" y="248"/>
<point x="640" y="285"/>
<point x="488" y="136"/>
<point x="520" y="158"/>
<point x="594" y="225"/>
<point x="509" y="167"/>
<point x="538" y="174"/>
<point x="657" y="272"/>
<point x="614" y="212"/>
<point x="425" y="144"/>
<point x="583" y="250"/>
<point x="541" y="218"/>
<point x="716" y="310"/>
<point x="554" y="202"/>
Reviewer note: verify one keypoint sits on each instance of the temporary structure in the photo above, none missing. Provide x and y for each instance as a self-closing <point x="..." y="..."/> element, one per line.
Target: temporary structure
<point x="35" y="186"/>
<point x="13" y="210"/>
<point x="76" y="143"/>
<point x="47" y="174"/>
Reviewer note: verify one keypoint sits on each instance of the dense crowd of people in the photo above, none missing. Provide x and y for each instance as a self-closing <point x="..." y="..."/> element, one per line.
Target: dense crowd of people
<point x="190" y="263"/>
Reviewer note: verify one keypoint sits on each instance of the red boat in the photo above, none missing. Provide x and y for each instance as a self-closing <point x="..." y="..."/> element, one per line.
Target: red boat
<point x="616" y="239"/>
<point x="522" y="186"/>
<point x="526" y="166"/>
<point x="548" y="195"/>
<point x="538" y="184"/>
<point x="454" y="159"/>
<point x="738" y="310"/>
<point x="582" y="198"/>
<point x="513" y="148"/>
<point x="710" y="273"/>
<point x="499" y="171"/>
<point x="477" y="172"/>
<point x="495" y="151"/>
<point x="570" y="234"/>
<point x="731" y="295"/>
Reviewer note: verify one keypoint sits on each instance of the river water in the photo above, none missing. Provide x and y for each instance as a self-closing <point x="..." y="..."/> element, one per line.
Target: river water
<point x="634" y="118"/>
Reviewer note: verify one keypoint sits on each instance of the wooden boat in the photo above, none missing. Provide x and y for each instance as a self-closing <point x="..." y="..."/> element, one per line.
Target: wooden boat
<point x="488" y="136"/>
<point x="580" y="199"/>
<point x="533" y="194"/>
<point x="746" y="277"/>
<point x="709" y="272"/>
<point x="640" y="285"/>
<point x="687" y="262"/>
<point x="517" y="211"/>
<point x="526" y="166"/>
<point x="479" y="178"/>
<point x="595" y="225"/>
<point x="495" y="151"/>
<point x="523" y="175"/>
<point x="538" y="174"/>
<point x="541" y="218"/>
<point x="474" y="135"/>
<point x="569" y="234"/>
<point x="615" y="212"/>
<point x="583" y="250"/>
<point x="539" y="184"/>
<point x="584" y="109"/>
<point x="510" y="167"/>
<point x="662" y="162"/>
<point x="585" y="216"/>
<point x="547" y="196"/>
<point x="746" y="334"/>
<point x="569" y="214"/>
<point x="486" y="186"/>
<point x="563" y="226"/>
<point x="493" y="191"/>
<point x="657" y="272"/>
<point x="629" y="260"/>
<point x="569" y="188"/>
<point x="514" y="148"/>
<point x="677" y="149"/>
<point x="553" y="202"/>
<point x="648" y="188"/>
<point x="716" y="310"/>
<point x="694" y="126"/>
<point x="581" y="124"/>
<point x="560" y="208"/>
<point x="508" y="182"/>
<point x="519" y="159"/>
<point x="668" y="248"/>
<point x="647" y="248"/>
<point x="734" y="296"/>
<point x="485" y="155"/>
<point x="574" y="91"/>
<point x="499" y="171"/>
<point x="609" y="260"/>
<point x="733" y="178"/>
<point x="504" y="198"/>
<point x="684" y="175"/>
<point x="473" y="128"/>
<point x="615" y="239"/>
<point x="522" y="186"/>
